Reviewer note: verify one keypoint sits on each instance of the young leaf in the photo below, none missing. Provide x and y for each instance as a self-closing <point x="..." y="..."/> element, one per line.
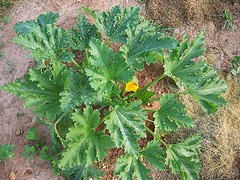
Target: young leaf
<point x="44" y="153"/>
<point x="207" y="92"/>
<point x="106" y="69"/>
<point x="171" y="115"/>
<point x="82" y="33"/>
<point x="32" y="134"/>
<point x="41" y="91"/>
<point x="180" y="63"/>
<point x="29" y="152"/>
<point x="183" y="158"/>
<point x="141" y="47"/>
<point x="85" y="144"/>
<point x="153" y="153"/>
<point x="115" y="22"/>
<point x="126" y="125"/>
<point x="6" y="151"/>
<point x="47" y="42"/>
<point x="128" y="167"/>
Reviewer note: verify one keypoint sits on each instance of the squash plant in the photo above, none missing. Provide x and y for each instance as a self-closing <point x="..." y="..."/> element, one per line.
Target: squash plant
<point x="94" y="104"/>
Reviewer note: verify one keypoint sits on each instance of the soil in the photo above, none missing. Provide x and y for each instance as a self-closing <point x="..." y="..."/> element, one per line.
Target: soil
<point x="221" y="132"/>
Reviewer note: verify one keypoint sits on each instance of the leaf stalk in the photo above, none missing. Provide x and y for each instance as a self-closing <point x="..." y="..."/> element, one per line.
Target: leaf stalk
<point x="155" y="136"/>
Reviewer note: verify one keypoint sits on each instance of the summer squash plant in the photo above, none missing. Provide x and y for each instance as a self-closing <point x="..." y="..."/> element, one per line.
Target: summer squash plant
<point x="93" y="104"/>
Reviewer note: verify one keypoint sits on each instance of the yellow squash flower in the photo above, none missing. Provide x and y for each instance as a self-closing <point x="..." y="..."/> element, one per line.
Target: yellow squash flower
<point x="131" y="86"/>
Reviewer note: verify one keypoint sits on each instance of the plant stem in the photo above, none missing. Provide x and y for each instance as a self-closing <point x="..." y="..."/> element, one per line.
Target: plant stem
<point x="153" y="82"/>
<point x="86" y="53"/>
<point x="183" y="92"/>
<point x="102" y="107"/>
<point x="149" y="110"/>
<point x="103" y="120"/>
<point x="155" y="136"/>
<point x="55" y="127"/>
<point x="78" y="66"/>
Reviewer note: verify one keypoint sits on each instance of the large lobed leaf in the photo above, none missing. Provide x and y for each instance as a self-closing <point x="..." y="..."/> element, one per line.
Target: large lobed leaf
<point x="82" y="33"/>
<point x="107" y="68"/>
<point x="208" y="91"/>
<point x="42" y="20"/>
<point x="41" y="90"/>
<point x="180" y="62"/>
<point x="154" y="154"/>
<point x="200" y="79"/>
<point x="78" y="92"/>
<point x="142" y="46"/>
<point x="172" y="114"/>
<point x="114" y="23"/>
<point x="126" y="125"/>
<point x="183" y="158"/>
<point x="84" y="143"/>
<point x="44" y="39"/>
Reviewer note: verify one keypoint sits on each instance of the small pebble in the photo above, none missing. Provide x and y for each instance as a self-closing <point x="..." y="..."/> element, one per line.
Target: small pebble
<point x="12" y="176"/>
<point x="27" y="172"/>
<point x="18" y="132"/>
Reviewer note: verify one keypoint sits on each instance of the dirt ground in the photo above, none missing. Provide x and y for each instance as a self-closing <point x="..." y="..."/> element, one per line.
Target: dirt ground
<point x="220" y="152"/>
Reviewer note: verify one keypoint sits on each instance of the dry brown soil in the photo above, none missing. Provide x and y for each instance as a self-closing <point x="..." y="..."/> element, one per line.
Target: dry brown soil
<point x="221" y="133"/>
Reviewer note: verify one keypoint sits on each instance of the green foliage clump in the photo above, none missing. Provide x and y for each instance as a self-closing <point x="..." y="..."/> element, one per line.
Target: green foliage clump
<point x="235" y="66"/>
<point x="92" y="104"/>
<point x="6" y="151"/>
<point x="229" y="18"/>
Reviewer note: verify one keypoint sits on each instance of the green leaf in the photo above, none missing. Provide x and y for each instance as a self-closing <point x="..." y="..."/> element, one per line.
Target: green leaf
<point x="171" y="115"/>
<point x="41" y="90"/>
<point x="201" y="81"/>
<point x="115" y="22"/>
<point x="64" y="122"/>
<point x="128" y="167"/>
<point x="66" y="56"/>
<point x="26" y="27"/>
<point x="180" y="62"/>
<point x="85" y="144"/>
<point x="144" y="96"/>
<point x="48" y="42"/>
<point x="48" y="18"/>
<point x="207" y="92"/>
<point x="235" y="66"/>
<point x="82" y="33"/>
<point x="6" y="151"/>
<point x="141" y="171"/>
<point x="183" y="158"/>
<point x="43" y="153"/>
<point x="126" y="125"/>
<point x="32" y="134"/>
<point x="78" y="92"/>
<point x="29" y="152"/>
<point x="107" y="69"/>
<point x="154" y="154"/>
<point x="82" y="172"/>
<point x="141" y="47"/>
